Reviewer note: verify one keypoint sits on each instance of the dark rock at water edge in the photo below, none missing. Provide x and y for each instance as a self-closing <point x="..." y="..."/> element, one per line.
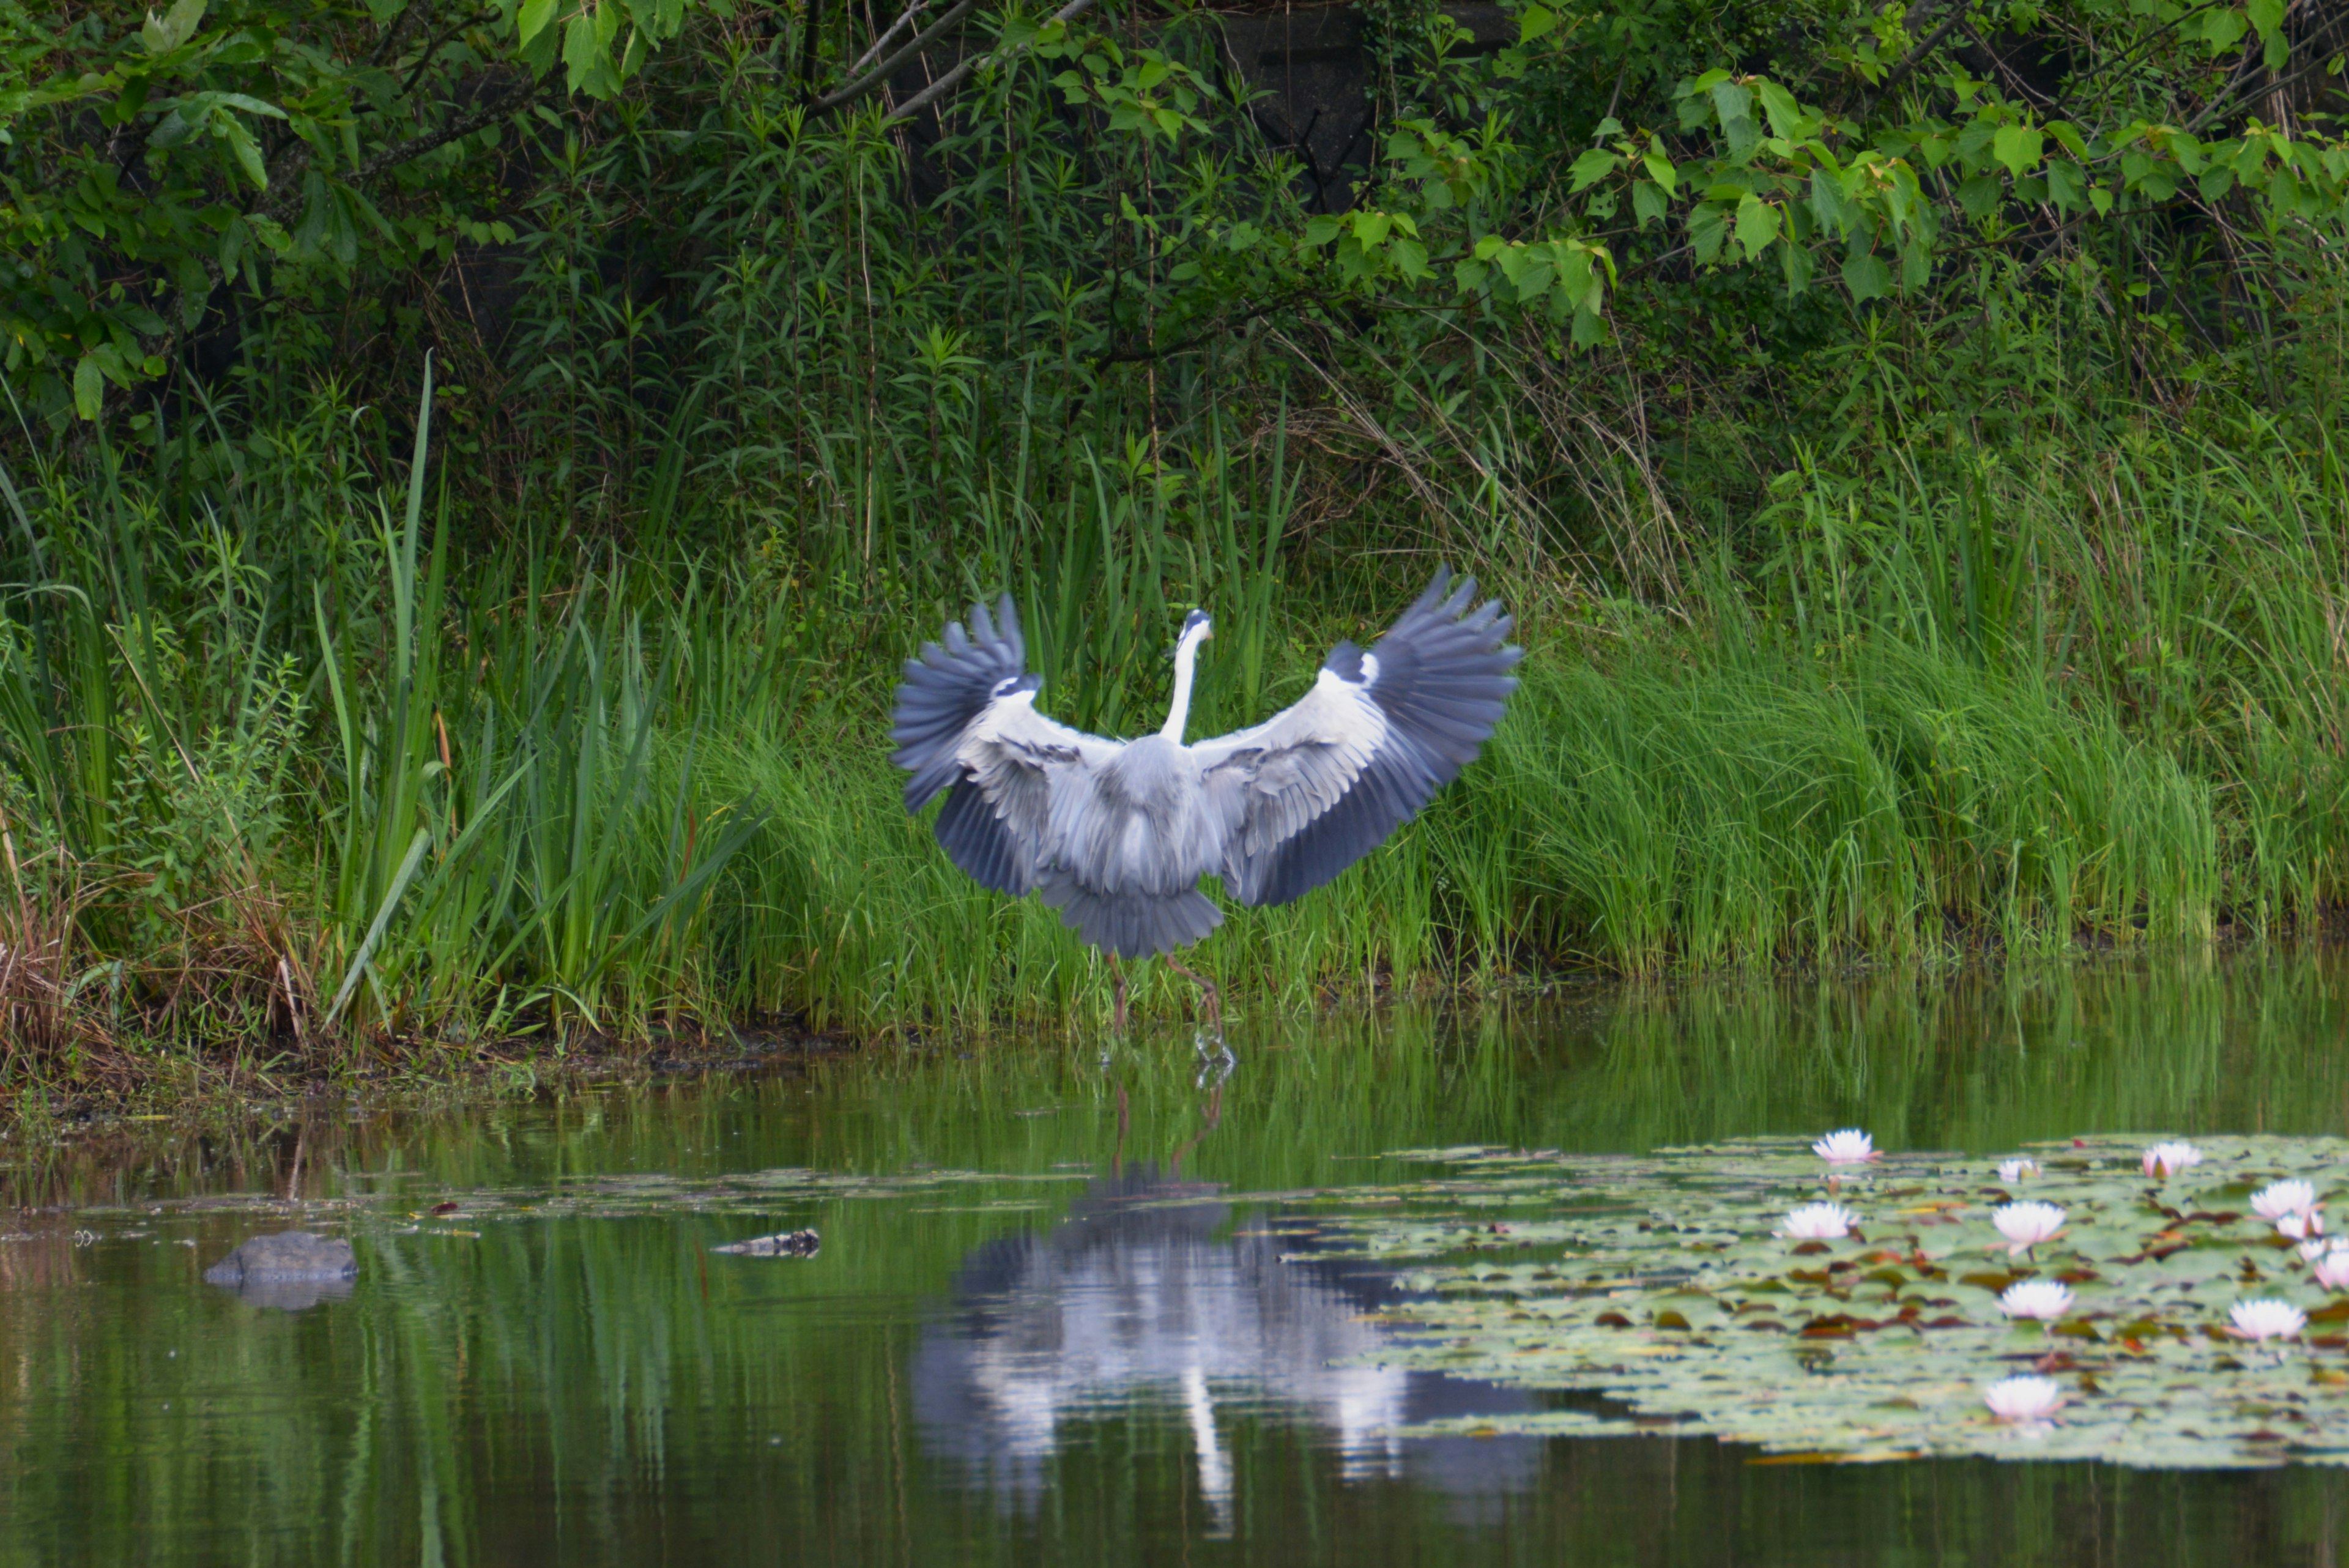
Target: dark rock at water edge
<point x="782" y="1245"/>
<point x="289" y="1270"/>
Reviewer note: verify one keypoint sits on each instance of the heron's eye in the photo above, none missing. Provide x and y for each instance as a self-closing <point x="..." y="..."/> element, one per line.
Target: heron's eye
<point x="1006" y="688"/>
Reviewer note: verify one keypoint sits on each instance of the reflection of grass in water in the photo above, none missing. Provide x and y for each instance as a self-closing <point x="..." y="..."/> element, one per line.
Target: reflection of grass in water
<point x="536" y="1383"/>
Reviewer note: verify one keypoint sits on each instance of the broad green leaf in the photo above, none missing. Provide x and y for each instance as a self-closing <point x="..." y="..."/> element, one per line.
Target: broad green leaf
<point x="1731" y="102"/>
<point x="1536" y="22"/>
<point x="535" y="16"/>
<point x="1757" y="225"/>
<point x="1648" y="203"/>
<point x="1865" y="276"/>
<point x="89" y="388"/>
<point x="1594" y="166"/>
<point x="1787" y="118"/>
<point x="2018" y="146"/>
<point x="1660" y="167"/>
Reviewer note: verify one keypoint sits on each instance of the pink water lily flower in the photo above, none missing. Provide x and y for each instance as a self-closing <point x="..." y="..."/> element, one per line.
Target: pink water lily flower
<point x="1849" y="1146"/>
<point x="2279" y="1199"/>
<point x="2024" y="1398"/>
<point x="2016" y="1169"/>
<point x="2043" y="1300"/>
<point x="1819" y="1222"/>
<point x="2266" y="1319"/>
<point x="2301" y="1226"/>
<point x="2166" y="1159"/>
<point x="2333" y="1269"/>
<point x="2025" y="1225"/>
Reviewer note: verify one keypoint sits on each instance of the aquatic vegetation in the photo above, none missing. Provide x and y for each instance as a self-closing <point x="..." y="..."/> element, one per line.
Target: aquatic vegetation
<point x="2013" y="1171"/>
<point x="2025" y="1225"/>
<point x="2023" y="1397"/>
<point x="2332" y="1269"/>
<point x="1661" y="1283"/>
<point x="2284" y="1200"/>
<point x="2266" y="1319"/>
<point x="1849" y="1146"/>
<point x="1819" y="1222"/>
<point x="2044" y="1301"/>
<point x="2168" y="1160"/>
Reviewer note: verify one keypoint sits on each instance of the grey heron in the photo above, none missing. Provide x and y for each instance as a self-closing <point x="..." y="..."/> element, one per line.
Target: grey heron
<point x="1116" y="834"/>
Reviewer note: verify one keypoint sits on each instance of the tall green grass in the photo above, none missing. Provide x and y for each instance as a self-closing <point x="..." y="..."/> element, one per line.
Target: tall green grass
<point x="387" y="793"/>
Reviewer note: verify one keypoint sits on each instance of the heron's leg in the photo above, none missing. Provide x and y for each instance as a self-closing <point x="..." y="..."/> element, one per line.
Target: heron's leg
<point x="1117" y="993"/>
<point x="1213" y="997"/>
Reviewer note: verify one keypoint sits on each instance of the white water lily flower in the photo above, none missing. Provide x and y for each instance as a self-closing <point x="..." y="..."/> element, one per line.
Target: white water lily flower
<point x="2333" y="1269"/>
<point x="1849" y="1146"/>
<point x="2278" y="1198"/>
<point x="2016" y="1169"/>
<point x="2025" y="1225"/>
<point x="2313" y="1249"/>
<point x="2300" y="1227"/>
<point x="2267" y="1319"/>
<point x="1819" y="1222"/>
<point x="2166" y="1159"/>
<point x="2023" y="1398"/>
<point x="2043" y="1300"/>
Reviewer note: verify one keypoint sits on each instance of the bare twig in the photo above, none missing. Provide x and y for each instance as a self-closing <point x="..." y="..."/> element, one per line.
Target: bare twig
<point x="889" y="68"/>
<point x="954" y="79"/>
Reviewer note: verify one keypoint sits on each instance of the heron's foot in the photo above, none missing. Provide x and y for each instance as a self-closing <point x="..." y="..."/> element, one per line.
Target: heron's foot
<point x="1214" y="1065"/>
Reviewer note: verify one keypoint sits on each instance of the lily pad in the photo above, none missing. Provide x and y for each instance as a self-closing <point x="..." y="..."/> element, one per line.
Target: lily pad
<point x="1659" y="1283"/>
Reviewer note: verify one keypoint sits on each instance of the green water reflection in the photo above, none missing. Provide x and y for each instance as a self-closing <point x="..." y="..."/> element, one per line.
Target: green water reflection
<point x="1094" y="1350"/>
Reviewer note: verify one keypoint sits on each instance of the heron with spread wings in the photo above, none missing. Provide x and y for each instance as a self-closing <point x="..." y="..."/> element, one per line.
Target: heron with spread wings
<point x="1117" y="833"/>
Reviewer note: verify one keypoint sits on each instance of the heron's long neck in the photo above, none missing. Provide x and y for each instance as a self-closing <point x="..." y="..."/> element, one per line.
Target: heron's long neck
<point x="1186" y="656"/>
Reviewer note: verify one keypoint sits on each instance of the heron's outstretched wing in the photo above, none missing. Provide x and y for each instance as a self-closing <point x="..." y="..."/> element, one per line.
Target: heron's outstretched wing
<point x="1315" y="788"/>
<point x="996" y="757"/>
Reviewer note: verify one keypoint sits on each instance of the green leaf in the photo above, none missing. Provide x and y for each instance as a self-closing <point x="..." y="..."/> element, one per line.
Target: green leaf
<point x="1829" y="204"/>
<point x="1660" y="167"/>
<point x="1796" y="262"/>
<point x="2265" y="16"/>
<point x="1757" y="225"/>
<point x="1731" y="102"/>
<point x="1536" y="22"/>
<point x="1708" y="227"/>
<point x="1786" y="115"/>
<point x="535" y="16"/>
<point x="231" y="129"/>
<point x="1648" y="203"/>
<point x="1866" y="277"/>
<point x="1979" y="196"/>
<point x="2018" y="146"/>
<point x="174" y="28"/>
<point x="89" y="388"/>
<point x="1594" y="166"/>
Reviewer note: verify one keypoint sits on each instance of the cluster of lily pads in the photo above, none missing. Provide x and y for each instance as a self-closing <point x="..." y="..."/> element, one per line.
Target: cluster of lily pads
<point x="2169" y="1305"/>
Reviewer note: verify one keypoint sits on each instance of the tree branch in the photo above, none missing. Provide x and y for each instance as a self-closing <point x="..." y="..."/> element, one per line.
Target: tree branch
<point x="889" y="68"/>
<point x="954" y="79"/>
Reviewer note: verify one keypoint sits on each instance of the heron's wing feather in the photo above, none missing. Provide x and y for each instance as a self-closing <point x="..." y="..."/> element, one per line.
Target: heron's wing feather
<point x="993" y="756"/>
<point x="1315" y="788"/>
<point x="944" y="689"/>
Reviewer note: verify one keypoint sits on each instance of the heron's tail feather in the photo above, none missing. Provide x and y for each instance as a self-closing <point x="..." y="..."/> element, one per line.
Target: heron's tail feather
<point x="1134" y="925"/>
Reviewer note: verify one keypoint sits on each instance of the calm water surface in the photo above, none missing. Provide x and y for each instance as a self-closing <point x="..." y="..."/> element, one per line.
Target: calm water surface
<point x="1050" y="1321"/>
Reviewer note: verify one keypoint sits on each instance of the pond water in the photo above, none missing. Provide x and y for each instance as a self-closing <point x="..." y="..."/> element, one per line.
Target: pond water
<point x="1063" y="1311"/>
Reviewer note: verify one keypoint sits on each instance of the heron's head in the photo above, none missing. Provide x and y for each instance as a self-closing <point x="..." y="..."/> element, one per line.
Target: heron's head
<point x="1196" y="624"/>
<point x="1017" y="685"/>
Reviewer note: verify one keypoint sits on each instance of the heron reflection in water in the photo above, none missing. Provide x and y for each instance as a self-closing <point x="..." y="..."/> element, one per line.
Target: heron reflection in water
<point x="1144" y="1296"/>
<point x="1117" y="833"/>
